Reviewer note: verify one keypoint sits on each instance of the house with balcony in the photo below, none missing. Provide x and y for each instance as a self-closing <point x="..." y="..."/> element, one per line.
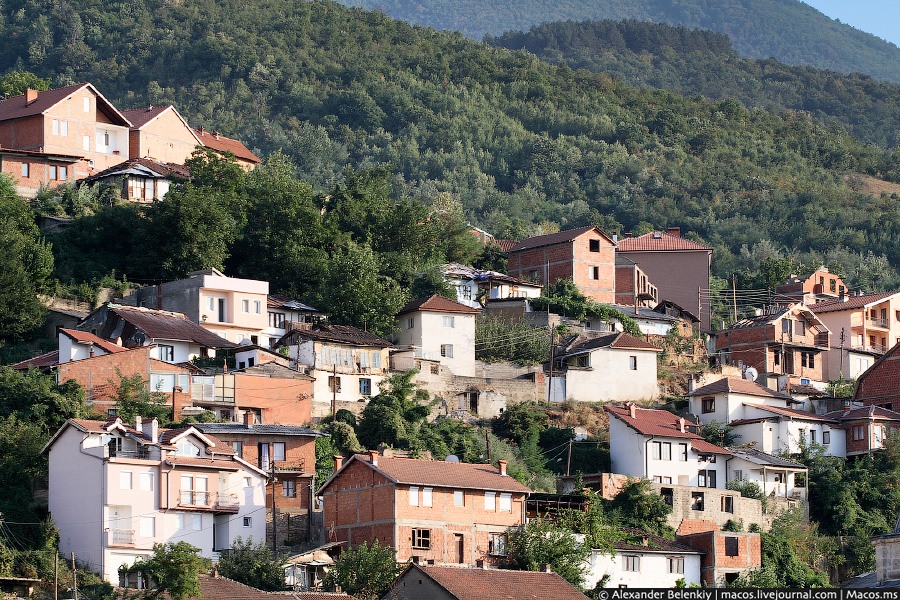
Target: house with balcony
<point x="586" y="255"/>
<point x="427" y="511"/>
<point x="633" y="286"/>
<point x="60" y="135"/>
<point x="785" y="345"/>
<point x="140" y="180"/>
<point x="863" y="328"/>
<point x="346" y="363"/>
<point x="285" y="314"/>
<point x="235" y="309"/>
<point x="476" y="287"/>
<point x="115" y="489"/>
<point x="866" y="428"/>
<point x="775" y="475"/>
<point x="820" y="286"/>
<point x="439" y="329"/>
<point x="664" y="448"/>
<point x="174" y="338"/>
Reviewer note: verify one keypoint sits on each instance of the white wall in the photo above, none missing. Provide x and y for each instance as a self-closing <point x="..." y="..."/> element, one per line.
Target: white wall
<point x="730" y="407"/>
<point x="610" y="378"/>
<point x="653" y="573"/>
<point x="183" y="351"/>
<point x="626" y="448"/>
<point x="429" y="333"/>
<point x="783" y="435"/>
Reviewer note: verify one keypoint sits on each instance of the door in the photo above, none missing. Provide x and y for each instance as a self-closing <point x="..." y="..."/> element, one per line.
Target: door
<point x="460" y="548"/>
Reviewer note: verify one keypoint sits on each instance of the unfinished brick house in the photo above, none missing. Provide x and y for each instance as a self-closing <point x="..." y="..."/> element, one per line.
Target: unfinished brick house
<point x="820" y="285"/>
<point x="428" y="511"/>
<point x="726" y="555"/>
<point x="633" y="286"/>
<point x="877" y="386"/>
<point x="585" y="255"/>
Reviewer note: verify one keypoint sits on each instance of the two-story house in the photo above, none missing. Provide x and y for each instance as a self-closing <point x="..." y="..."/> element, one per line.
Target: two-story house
<point x="643" y="560"/>
<point x="475" y="287"/>
<point x="426" y="510"/>
<point x="866" y="428"/>
<point x="117" y="489"/>
<point x="160" y="133"/>
<point x="140" y="179"/>
<point x="439" y="329"/>
<point x="677" y="266"/>
<point x="175" y="339"/>
<point x="612" y="367"/>
<point x="586" y="255"/>
<point x="820" y="286"/>
<point x="347" y="364"/>
<point x="235" y="309"/>
<point x="285" y="314"/>
<point x="786" y="345"/>
<point x="663" y="447"/>
<point x="863" y="328"/>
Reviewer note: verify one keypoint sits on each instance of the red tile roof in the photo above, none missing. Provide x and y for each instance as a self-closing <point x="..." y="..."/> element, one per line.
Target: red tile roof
<point x="435" y="303"/>
<point x="166" y="325"/>
<point x="16" y="107"/>
<point x="647" y="421"/>
<point x="141" y="116"/>
<point x="168" y="170"/>
<point x="220" y="143"/>
<point x="656" y="543"/>
<point x="86" y="337"/>
<point x="507" y="245"/>
<point x="49" y="359"/>
<point x="736" y="385"/>
<point x="556" y="238"/>
<point x="620" y="340"/>
<point x="849" y="302"/>
<point x="789" y="412"/>
<point x="222" y="588"/>
<point x="659" y="241"/>
<point x="630" y="342"/>
<point x="498" y="584"/>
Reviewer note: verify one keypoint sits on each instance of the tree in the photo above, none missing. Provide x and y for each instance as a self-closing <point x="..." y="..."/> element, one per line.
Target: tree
<point x="394" y="416"/>
<point x="564" y="298"/>
<point x="36" y="398"/>
<point x="14" y="83"/>
<point x="637" y="506"/>
<point x="174" y="567"/>
<point x="541" y="542"/>
<point x="520" y="421"/>
<point x="253" y="565"/>
<point x="135" y="398"/>
<point x="498" y="339"/>
<point x="720" y="434"/>
<point x="364" y="571"/>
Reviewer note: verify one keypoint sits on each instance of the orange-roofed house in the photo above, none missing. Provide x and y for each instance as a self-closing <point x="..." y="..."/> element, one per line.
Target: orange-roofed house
<point x="819" y="286"/>
<point x="677" y="266"/>
<point x="430" y="511"/>
<point x="439" y="329"/>
<point x="615" y="367"/>
<point x="225" y="145"/>
<point x="160" y="133"/>
<point x="663" y="447"/>
<point x="586" y="255"/>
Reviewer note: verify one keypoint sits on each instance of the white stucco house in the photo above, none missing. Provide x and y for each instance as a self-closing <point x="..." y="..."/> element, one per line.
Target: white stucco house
<point x="611" y="367"/>
<point x="644" y="561"/>
<point x="439" y="329"/>
<point x="775" y="475"/>
<point x="723" y="400"/>
<point x="117" y="489"/>
<point x="663" y="447"/>
<point x="474" y="287"/>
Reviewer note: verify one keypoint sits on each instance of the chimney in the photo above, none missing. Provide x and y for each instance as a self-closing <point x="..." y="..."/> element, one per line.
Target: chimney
<point x="338" y="462"/>
<point x="201" y="130"/>
<point x="30" y="95"/>
<point x="674" y="231"/>
<point x="138" y="423"/>
<point x="629" y="234"/>
<point x="249" y="418"/>
<point x="154" y="430"/>
<point x="632" y="410"/>
<point x="681" y="424"/>
<point x="615" y="238"/>
<point x="501" y="464"/>
<point x="547" y="569"/>
<point x="373" y="457"/>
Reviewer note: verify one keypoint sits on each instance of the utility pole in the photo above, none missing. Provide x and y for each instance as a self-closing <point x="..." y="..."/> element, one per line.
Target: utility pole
<point x="334" y="387"/>
<point x="274" y="515"/>
<point x="487" y="444"/>
<point x="841" y="369"/>
<point x="74" y="579"/>
<point x="734" y="295"/>
<point x="569" y="462"/>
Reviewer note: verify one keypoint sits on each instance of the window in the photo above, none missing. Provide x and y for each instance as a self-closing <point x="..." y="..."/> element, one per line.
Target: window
<point x="706" y="478"/>
<point x="595" y="272"/>
<point x="87" y="104"/>
<point x="376" y="360"/>
<point x="289" y="488"/>
<point x="86" y="143"/>
<point x="414" y="496"/>
<point x="841" y="290"/>
<point x="505" y="503"/>
<point x="800" y="327"/>
<point x="125" y="480"/>
<point x="497" y="544"/>
<point x="26" y="169"/>
<point x="186" y="448"/>
<point x="248" y="482"/>
<point x="447" y="350"/>
<point x="146" y="482"/>
<point x="709" y="405"/>
<point x="238" y="448"/>
<point x="421" y="539"/>
<point x="738" y="475"/>
<point x="257" y="307"/>
<point x="334" y="384"/>
<point x="811" y="360"/>
<point x="166" y="353"/>
<point x="668" y="495"/>
<point x="55" y="127"/>
<point x="698" y="499"/>
<point x="365" y="386"/>
<point x="632" y="363"/>
<point x="278" y="451"/>
<point x="858" y="433"/>
<point x="661" y="450"/>
<point x="731" y="546"/>
<point x="410" y="322"/>
<point x="631" y="563"/>
<point x="245" y="306"/>
<point x="826" y="437"/>
<point x="662" y="479"/>
<point x="148" y="527"/>
<point x="832" y="285"/>
<point x="812" y="436"/>
<point x="211" y="303"/>
<point x="594" y="245"/>
<point x="106" y="139"/>
<point x="449" y="321"/>
<point x="728" y="504"/>
<point x="777" y="357"/>
<point x="490" y="500"/>
<point x="52" y="172"/>
<point x="276" y="320"/>
<point x="263" y="456"/>
<point x="675" y="564"/>
<point x="63" y="173"/>
<point x="459" y="498"/>
<point x="427" y="496"/>
<point x="194" y="490"/>
<point x="248" y="521"/>
<point x="682" y="452"/>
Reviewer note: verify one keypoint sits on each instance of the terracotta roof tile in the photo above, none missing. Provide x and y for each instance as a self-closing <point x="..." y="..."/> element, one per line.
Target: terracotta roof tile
<point x="555" y="238"/>
<point x="737" y="385"/>
<point x="167" y="170"/>
<point x="341" y="334"/>
<point x="789" y="412"/>
<point x="762" y="458"/>
<point x="877" y="413"/>
<point x="478" y="584"/>
<point x="141" y="116"/>
<point x="436" y="303"/>
<point x="220" y="143"/>
<point x="618" y="340"/>
<point x="86" y="337"/>
<point x="507" y="245"/>
<point x="49" y="359"/>
<point x="657" y="241"/>
<point x="850" y="302"/>
<point x="662" y="423"/>
<point x="655" y="543"/>
<point x="16" y="107"/>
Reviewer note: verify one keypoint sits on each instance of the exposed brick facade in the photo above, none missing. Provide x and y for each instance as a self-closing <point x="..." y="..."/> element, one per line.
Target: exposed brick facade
<point x="727" y="554"/>
<point x="633" y="285"/>
<point x="879" y="385"/>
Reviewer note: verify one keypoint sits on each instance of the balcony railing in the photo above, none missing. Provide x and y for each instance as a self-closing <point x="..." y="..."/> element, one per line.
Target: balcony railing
<point x="121" y="537"/>
<point x="141" y="453"/>
<point x="298" y="467"/>
<point x="877" y="322"/>
<point x="877" y="348"/>
<point x="201" y="500"/>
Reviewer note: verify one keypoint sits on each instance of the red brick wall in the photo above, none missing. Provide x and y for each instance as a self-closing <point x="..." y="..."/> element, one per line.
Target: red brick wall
<point x="756" y="347"/>
<point x="625" y="285"/>
<point x="24" y="134"/>
<point x="878" y="386"/>
<point x="282" y="400"/>
<point x="359" y="506"/>
<point x="714" y="563"/>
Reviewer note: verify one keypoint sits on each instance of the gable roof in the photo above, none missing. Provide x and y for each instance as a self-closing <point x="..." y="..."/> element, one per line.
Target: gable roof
<point x="791" y="413"/>
<point x="850" y="302"/>
<point x="557" y="238"/>
<point x="649" y="421"/>
<point x="16" y="107"/>
<point x="436" y="303"/>
<point x="655" y="543"/>
<point x="41" y="361"/>
<point x="437" y="473"/>
<point x="86" y="337"/>
<point x="659" y="241"/>
<point x="141" y="116"/>
<point x="736" y="385"/>
<point x="145" y="167"/>
<point x="279" y="301"/>
<point x="879" y="382"/>
<point x="761" y="458"/>
<point x="166" y="325"/>
<point x="618" y="341"/>
<point x="220" y="143"/>
<point x="876" y="413"/>
<point x="340" y="334"/>
<point x="261" y="429"/>
<point x="465" y="583"/>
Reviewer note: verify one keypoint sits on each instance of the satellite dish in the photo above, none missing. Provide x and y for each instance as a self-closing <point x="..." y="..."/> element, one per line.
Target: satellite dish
<point x="139" y="337"/>
<point x="451" y="458"/>
<point x="750" y="374"/>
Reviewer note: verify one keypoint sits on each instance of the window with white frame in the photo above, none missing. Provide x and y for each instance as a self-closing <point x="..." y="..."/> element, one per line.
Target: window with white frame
<point x="631" y="562"/>
<point x="248" y="521"/>
<point x="632" y="363"/>
<point x="245" y="306"/>
<point x="661" y="450"/>
<point x="186" y="448"/>
<point x="26" y="169"/>
<point x="497" y="544"/>
<point x="51" y="172"/>
<point x="505" y="503"/>
<point x="166" y="353"/>
<point x="146" y="482"/>
<point x="414" y="495"/>
<point x="87" y="104"/>
<point x="682" y="452"/>
<point x="238" y="448"/>
<point x="447" y="350"/>
<point x="459" y="498"/>
<point x="427" y="496"/>
<point x="278" y="451"/>
<point x="376" y="360"/>
<point x="276" y="320"/>
<point x="257" y="307"/>
<point x="289" y="488"/>
<point x="675" y="564"/>
<point x="490" y="501"/>
<point x="449" y="321"/>
<point x="410" y="322"/>
<point x="148" y="527"/>
<point x="126" y="480"/>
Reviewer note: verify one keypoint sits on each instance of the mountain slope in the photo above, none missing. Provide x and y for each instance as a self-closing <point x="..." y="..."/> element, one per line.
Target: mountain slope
<point x="697" y="62"/>
<point x="521" y="143"/>
<point x="789" y="30"/>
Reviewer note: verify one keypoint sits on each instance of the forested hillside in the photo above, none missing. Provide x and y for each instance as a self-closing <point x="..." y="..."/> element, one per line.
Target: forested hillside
<point x="788" y="30"/>
<point x="696" y="62"/>
<point x="523" y="145"/>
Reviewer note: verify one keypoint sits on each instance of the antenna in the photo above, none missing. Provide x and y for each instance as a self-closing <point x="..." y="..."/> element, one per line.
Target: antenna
<point x="750" y="374"/>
